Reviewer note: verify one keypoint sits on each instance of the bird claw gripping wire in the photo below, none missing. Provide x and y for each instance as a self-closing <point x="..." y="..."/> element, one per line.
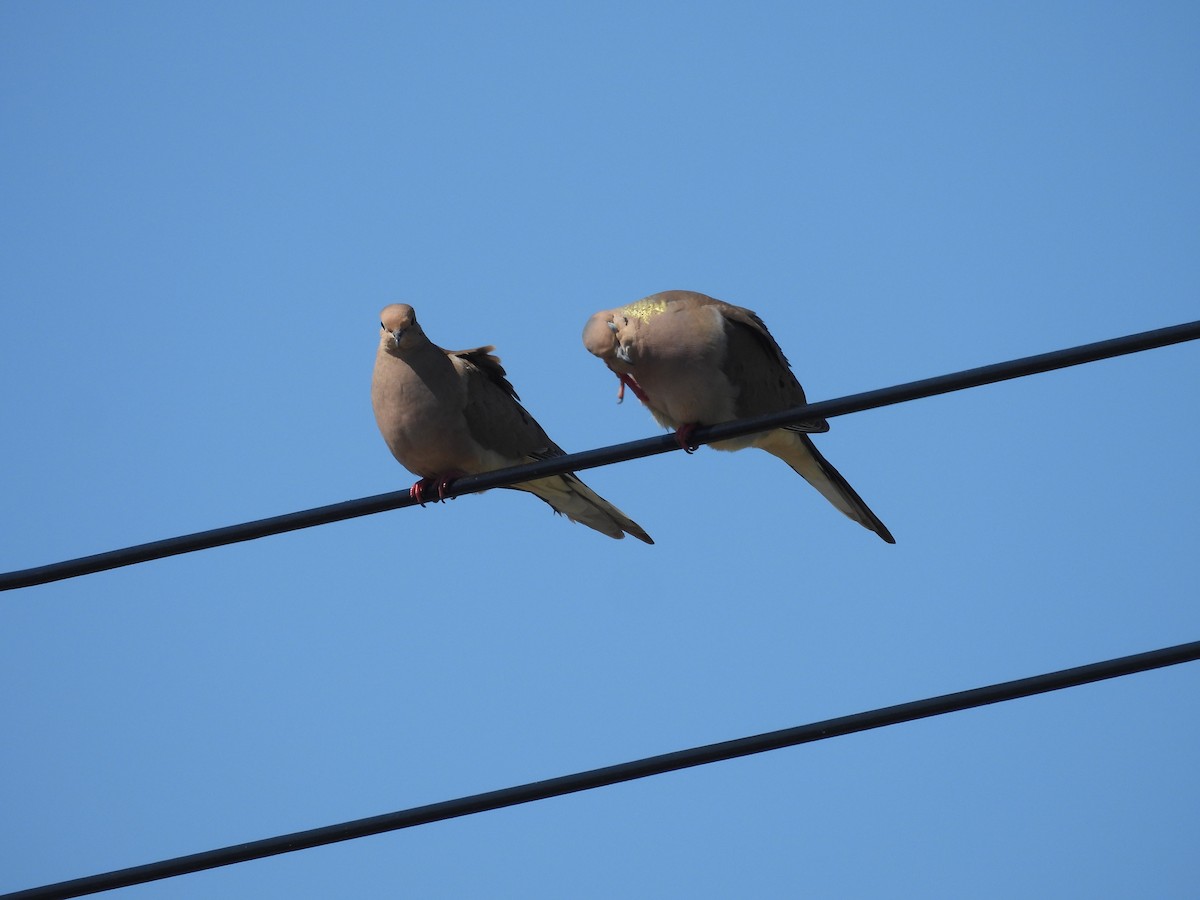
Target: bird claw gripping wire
<point x="439" y="483"/>
<point x="683" y="437"/>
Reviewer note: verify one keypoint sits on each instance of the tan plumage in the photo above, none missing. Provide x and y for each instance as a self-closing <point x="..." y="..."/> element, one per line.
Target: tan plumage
<point x="445" y="414"/>
<point x="694" y="361"/>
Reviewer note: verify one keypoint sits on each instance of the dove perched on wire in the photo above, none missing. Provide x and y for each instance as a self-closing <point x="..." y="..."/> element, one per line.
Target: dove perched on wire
<point x="694" y="361"/>
<point x="445" y="414"/>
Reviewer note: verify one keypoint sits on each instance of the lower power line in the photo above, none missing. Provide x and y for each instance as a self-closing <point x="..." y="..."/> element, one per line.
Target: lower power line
<point x="629" y="771"/>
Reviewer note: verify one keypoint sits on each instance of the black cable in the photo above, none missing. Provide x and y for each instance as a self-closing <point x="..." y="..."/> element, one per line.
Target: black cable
<point x="641" y="768"/>
<point x="604" y="456"/>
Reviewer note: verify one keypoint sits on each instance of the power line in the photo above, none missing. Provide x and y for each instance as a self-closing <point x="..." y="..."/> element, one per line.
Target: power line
<point x="574" y="462"/>
<point x="629" y="771"/>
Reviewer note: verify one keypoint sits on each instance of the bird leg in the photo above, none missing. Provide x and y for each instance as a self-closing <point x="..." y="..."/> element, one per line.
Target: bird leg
<point x="439" y="482"/>
<point x="445" y="481"/>
<point x="633" y="386"/>
<point x="683" y="437"/>
<point x="414" y="492"/>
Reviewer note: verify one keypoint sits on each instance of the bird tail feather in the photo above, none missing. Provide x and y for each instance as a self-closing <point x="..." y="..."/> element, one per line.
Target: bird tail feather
<point x="568" y="495"/>
<point x="799" y="452"/>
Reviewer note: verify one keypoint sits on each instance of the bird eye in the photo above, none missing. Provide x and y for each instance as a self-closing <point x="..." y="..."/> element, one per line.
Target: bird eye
<point x="384" y="327"/>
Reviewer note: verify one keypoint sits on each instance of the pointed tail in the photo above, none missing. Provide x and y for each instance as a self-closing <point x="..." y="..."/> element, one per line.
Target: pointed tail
<point x="579" y="503"/>
<point x="799" y="452"/>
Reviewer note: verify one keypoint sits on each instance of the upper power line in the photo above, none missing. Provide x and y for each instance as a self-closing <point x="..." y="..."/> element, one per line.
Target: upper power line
<point x="603" y="456"/>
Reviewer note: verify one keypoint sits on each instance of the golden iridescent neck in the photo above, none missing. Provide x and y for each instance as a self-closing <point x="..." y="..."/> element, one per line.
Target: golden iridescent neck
<point x="645" y="308"/>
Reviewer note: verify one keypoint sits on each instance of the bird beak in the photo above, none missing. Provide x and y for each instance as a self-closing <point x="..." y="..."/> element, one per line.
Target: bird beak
<point x="396" y="335"/>
<point x="623" y="354"/>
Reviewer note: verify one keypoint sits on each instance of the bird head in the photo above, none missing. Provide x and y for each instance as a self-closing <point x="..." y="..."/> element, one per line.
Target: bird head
<point x="609" y="336"/>
<point x="399" y="326"/>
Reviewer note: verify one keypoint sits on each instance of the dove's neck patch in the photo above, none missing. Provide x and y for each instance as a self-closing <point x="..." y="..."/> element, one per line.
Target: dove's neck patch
<point x="645" y="308"/>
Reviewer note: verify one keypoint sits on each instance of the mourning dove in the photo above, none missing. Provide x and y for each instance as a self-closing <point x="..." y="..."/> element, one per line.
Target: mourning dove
<point x="694" y="361"/>
<point x="445" y="414"/>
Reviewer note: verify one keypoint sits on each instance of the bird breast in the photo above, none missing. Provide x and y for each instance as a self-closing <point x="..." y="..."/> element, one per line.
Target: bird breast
<point x="677" y="358"/>
<point x="423" y="428"/>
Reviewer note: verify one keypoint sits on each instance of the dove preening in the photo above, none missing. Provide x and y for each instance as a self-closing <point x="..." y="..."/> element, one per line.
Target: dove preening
<point x="445" y="414"/>
<point x="693" y="361"/>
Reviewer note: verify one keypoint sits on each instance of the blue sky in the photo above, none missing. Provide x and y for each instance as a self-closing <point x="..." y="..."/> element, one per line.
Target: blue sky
<point x="205" y="207"/>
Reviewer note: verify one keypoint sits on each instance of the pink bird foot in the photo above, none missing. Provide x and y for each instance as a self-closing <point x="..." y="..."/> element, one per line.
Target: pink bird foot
<point x="627" y="380"/>
<point x="683" y="437"/>
<point x="440" y="483"/>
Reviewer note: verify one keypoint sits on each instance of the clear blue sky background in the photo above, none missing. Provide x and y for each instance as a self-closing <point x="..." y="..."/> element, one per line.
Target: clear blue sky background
<point x="206" y="205"/>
